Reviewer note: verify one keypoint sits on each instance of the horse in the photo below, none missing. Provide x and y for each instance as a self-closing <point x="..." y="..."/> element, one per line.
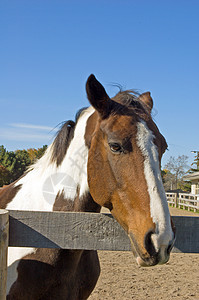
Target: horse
<point x="109" y="157"/>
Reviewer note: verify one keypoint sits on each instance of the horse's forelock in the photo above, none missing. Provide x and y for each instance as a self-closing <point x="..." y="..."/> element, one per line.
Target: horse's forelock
<point x="129" y="102"/>
<point x="128" y="97"/>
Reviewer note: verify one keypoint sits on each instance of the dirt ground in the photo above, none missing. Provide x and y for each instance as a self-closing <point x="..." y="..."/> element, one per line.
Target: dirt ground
<point x="122" y="279"/>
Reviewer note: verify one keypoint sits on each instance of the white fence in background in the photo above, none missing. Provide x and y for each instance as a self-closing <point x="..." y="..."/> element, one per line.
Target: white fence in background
<point x="183" y="200"/>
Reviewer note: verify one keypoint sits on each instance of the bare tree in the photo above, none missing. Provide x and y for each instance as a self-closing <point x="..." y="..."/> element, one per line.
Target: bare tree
<point x="168" y="180"/>
<point x="177" y="167"/>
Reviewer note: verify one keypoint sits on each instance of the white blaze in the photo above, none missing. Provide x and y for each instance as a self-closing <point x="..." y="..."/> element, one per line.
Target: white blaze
<point x="158" y="202"/>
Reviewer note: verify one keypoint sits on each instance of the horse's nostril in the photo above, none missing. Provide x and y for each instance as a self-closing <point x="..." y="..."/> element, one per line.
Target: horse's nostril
<point x="149" y="244"/>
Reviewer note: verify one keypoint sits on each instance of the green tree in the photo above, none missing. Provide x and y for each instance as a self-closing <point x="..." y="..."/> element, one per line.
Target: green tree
<point x="8" y="160"/>
<point x="41" y="151"/>
<point x="185" y="186"/>
<point x="32" y="152"/>
<point x="22" y="161"/>
<point x="2" y="153"/>
<point x="35" y="154"/>
<point x="4" y="176"/>
<point x="195" y="163"/>
<point x="14" y="163"/>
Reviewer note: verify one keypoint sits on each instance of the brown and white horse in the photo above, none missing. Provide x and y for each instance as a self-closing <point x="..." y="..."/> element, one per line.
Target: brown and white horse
<point x="109" y="157"/>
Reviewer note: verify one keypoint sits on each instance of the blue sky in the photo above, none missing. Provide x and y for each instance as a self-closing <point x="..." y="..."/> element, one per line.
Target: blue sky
<point x="49" y="48"/>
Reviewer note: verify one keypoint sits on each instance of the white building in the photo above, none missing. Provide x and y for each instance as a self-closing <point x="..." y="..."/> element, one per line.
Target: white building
<point x="194" y="178"/>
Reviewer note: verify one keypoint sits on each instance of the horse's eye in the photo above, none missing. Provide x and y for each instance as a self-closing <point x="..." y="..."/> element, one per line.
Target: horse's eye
<point x="115" y="147"/>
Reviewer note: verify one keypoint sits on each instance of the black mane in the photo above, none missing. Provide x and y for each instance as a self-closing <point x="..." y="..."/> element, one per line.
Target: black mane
<point x="63" y="139"/>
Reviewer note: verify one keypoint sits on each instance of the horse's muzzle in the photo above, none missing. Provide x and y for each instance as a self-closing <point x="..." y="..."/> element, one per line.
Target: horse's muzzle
<point x="151" y="256"/>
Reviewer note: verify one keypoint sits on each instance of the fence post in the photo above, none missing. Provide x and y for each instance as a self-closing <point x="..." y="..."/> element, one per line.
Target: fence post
<point x="176" y="200"/>
<point x="4" y="224"/>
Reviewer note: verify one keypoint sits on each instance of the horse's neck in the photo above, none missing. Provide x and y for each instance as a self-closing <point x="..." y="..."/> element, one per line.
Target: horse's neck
<point x="50" y="187"/>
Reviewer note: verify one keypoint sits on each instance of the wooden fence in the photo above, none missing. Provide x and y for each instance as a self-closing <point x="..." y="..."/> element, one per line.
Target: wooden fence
<point x="183" y="200"/>
<point x="89" y="231"/>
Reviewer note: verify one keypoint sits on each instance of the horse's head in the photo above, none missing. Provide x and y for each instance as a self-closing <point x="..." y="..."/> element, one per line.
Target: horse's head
<point x="125" y="150"/>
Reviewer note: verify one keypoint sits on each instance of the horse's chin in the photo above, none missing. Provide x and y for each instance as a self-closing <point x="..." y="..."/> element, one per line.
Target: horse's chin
<point x="150" y="262"/>
<point x="142" y="263"/>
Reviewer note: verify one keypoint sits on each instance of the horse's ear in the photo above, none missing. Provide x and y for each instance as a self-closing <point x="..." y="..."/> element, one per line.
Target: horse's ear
<point x="147" y="100"/>
<point x="98" y="97"/>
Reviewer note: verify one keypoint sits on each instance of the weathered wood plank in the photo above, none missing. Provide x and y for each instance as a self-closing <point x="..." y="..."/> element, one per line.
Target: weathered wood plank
<point x="4" y="217"/>
<point x="88" y="231"/>
<point x="66" y="230"/>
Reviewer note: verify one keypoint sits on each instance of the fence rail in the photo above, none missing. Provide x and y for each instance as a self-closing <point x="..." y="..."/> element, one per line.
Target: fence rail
<point x="183" y="200"/>
<point x="89" y="231"/>
<point x="69" y="230"/>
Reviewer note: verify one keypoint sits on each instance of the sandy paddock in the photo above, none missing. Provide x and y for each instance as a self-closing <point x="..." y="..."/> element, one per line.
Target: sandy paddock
<point x="122" y="279"/>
